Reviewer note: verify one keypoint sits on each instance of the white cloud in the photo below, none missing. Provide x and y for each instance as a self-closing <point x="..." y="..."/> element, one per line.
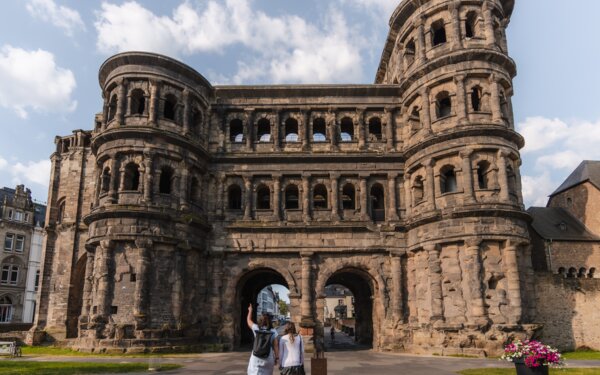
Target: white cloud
<point x="60" y="16"/>
<point x="536" y="189"/>
<point x="541" y="132"/>
<point x="32" y="80"/>
<point x="285" y="48"/>
<point x="37" y="172"/>
<point x="377" y="7"/>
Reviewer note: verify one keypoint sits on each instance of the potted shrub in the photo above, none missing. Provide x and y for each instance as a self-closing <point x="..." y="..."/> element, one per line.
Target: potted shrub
<point x="532" y="357"/>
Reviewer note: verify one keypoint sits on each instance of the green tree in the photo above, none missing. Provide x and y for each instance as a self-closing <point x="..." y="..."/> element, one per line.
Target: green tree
<point x="283" y="307"/>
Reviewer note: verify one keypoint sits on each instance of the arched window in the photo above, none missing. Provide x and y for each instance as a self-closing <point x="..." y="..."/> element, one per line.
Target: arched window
<point x="112" y="108"/>
<point x="347" y="129"/>
<point x="6" y="309"/>
<point x="166" y="180"/>
<point x="476" y="99"/>
<point x="409" y="52"/>
<point x="448" y="180"/>
<point x="561" y="271"/>
<point x="105" y="183"/>
<point x="592" y="272"/>
<point x="234" y="197"/>
<point x="443" y="105"/>
<point x="263" y="198"/>
<point x="377" y="203"/>
<point x="483" y="174"/>
<point x="512" y="181"/>
<point x="415" y="119"/>
<point x="581" y="273"/>
<point x="504" y="106"/>
<point x="10" y="274"/>
<point x="319" y="130"/>
<point x="236" y="131"/>
<point x="375" y="129"/>
<point x="61" y="211"/>
<point x="132" y="177"/>
<point x="471" y="25"/>
<point x="195" y="190"/>
<point x="418" y="191"/>
<point x="572" y="273"/>
<point x="137" y="102"/>
<point x="196" y="120"/>
<point x="170" y="110"/>
<point x="291" y="130"/>
<point x="348" y="197"/>
<point x="320" y="196"/>
<point x="263" y="131"/>
<point x="291" y="197"/>
<point x="438" y="33"/>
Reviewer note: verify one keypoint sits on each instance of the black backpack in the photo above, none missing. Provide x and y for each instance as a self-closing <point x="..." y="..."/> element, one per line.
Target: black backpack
<point x="262" y="343"/>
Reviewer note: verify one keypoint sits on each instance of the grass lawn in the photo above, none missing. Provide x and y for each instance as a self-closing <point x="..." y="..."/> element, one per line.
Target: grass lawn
<point x="582" y="355"/>
<point x="16" y="367"/>
<point x="511" y="371"/>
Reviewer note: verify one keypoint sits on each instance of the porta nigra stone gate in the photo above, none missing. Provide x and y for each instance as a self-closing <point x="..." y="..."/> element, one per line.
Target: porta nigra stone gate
<point x="186" y="199"/>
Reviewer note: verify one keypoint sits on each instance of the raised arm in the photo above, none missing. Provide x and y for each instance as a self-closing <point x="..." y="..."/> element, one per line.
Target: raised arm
<point x="249" y="317"/>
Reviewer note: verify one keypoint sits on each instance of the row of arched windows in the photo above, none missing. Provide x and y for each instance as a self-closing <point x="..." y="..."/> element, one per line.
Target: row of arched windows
<point x="291" y="130"/>
<point x="320" y="200"/>
<point x="573" y="272"/>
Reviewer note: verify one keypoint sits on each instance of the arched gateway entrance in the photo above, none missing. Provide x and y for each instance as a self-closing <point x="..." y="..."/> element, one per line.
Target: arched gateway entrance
<point x="361" y="286"/>
<point x="248" y="289"/>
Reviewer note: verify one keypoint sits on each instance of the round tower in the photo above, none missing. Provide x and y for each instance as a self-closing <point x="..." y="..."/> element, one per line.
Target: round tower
<point x="148" y="224"/>
<point x="467" y="229"/>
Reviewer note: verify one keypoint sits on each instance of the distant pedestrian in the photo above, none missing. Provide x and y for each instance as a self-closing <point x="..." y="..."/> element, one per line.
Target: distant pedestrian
<point x="265" y="349"/>
<point x="291" y="352"/>
<point x="332" y="333"/>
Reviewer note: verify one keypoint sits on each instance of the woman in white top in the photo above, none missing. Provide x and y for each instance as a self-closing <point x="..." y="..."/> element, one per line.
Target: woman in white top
<point x="291" y="352"/>
<point x="257" y="365"/>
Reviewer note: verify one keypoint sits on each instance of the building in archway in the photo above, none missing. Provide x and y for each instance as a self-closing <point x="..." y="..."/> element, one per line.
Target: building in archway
<point x="186" y="199"/>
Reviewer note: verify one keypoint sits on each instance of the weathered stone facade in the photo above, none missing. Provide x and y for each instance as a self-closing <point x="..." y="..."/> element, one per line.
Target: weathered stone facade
<point x="186" y="199"/>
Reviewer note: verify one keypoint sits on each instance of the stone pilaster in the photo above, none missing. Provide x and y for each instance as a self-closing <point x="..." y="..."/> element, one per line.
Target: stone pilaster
<point x="391" y="201"/>
<point x="335" y="193"/>
<point x="467" y="174"/>
<point x="148" y="177"/>
<point x="454" y="8"/>
<point x="121" y="102"/>
<point x="425" y="110"/>
<point x="248" y="193"/>
<point x="249" y="129"/>
<point x="364" y="196"/>
<point x="477" y="311"/>
<point x="430" y="188"/>
<point x="511" y="270"/>
<point x="153" y="110"/>
<point x="488" y="24"/>
<point x="276" y="130"/>
<point x="114" y="175"/>
<point x="502" y="177"/>
<point x="184" y="188"/>
<point x="333" y="130"/>
<point x="305" y="198"/>
<point x="277" y="197"/>
<point x="88" y="283"/>
<point x="397" y="298"/>
<point x="178" y="281"/>
<point x="186" y="111"/>
<point x="495" y="100"/>
<point x="389" y="129"/>
<point x="305" y="304"/>
<point x="141" y="307"/>
<point x="435" y="282"/>
<point x="215" y="292"/>
<point x="408" y="199"/>
<point x="221" y="179"/>
<point x="421" y="46"/>
<point x="304" y="131"/>
<point x="104" y="275"/>
<point x="360" y="115"/>
<point x="104" y="111"/>
<point x="461" y="99"/>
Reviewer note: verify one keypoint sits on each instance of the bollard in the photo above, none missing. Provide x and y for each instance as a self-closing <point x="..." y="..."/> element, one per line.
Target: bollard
<point x="318" y="364"/>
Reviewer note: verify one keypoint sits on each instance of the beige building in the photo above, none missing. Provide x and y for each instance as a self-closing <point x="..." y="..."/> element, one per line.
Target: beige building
<point x="339" y="303"/>
<point x="186" y="199"/>
<point x="18" y="217"/>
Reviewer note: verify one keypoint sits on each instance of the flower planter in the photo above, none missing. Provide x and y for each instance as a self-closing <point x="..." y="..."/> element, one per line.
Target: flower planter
<point x="522" y="368"/>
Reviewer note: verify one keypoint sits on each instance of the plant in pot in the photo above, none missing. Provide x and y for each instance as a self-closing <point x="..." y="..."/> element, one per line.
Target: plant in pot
<point x="532" y="357"/>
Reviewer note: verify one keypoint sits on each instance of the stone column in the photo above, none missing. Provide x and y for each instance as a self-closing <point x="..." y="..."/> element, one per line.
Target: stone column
<point x="519" y="186"/>
<point x="473" y="273"/>
<point x="435" y="282"/>
<point x="113" y="179"/>
<point x="276" y="130"/>
<point x="397" y="294"/>
<point x="488" y="22"/>
<point x="304" y="131"/>
<point x="148" y="176"/>
<point x="389" y="129"/>
<point x="122" y="178"/>
<point x="511" y="269"/>
<point x="364" y="196"/>
<point x="249" y="129"/>
<point x="360" y="115"/>
<point x="121" y="102"/>
<point x="333" y="131"/>
<point x="430" y="188"/>
<point x="88" y="283"/>
<point x="215" y="293"/>
<point x="408" y="200"/>
<point x="224" y="136"/>
<point x="306" y="197"/>
<point x="105" y="277"/>
<point x="248" y="191"/>
<point x="335" y="193"/>
<point x="277" y="197"/>
<point x="421" y="46"/>
<point x="454" y="8"/>
<point x="413" y="310"/>
<point x="104" y="111"/>
<point x="177" y="291"/>
<point x="425" y="110"/>
<point x="153" y="110"/>
<point x="305" y="304"/>
<point x="502" y="177"/>
<point x="392" y="204"/>
<point x="461" y="99"/>
<point x="98" y="178"/>
<point x="184" y="187"/>
<point x="467" y="174"/>
<point x="495" y="100"/>
<point x="221" y="179"/>
<point x="141" y="306"/>
<point x="186" y="111"/>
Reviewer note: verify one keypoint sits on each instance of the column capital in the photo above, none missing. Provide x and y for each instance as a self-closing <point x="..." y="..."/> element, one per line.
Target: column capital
<point x="460" y="78"/>
<point x="397" y="253"/>
<point x="432" y="248"/>
<point x="334" y="176"/>
<point x="306" y="255"/>
<point x="465" y="154"/>
<point x="143" y="243"/>
<point x="107" y="244"/>
<point x="473" y="242"/>
<point x="429" y="162"/>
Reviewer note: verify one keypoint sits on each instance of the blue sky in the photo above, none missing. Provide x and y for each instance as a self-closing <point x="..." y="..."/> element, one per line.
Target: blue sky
<point x="50" y="52"/>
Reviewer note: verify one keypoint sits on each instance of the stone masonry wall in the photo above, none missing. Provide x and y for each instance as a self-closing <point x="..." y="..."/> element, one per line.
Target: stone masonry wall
<point x="569" y="309"/>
